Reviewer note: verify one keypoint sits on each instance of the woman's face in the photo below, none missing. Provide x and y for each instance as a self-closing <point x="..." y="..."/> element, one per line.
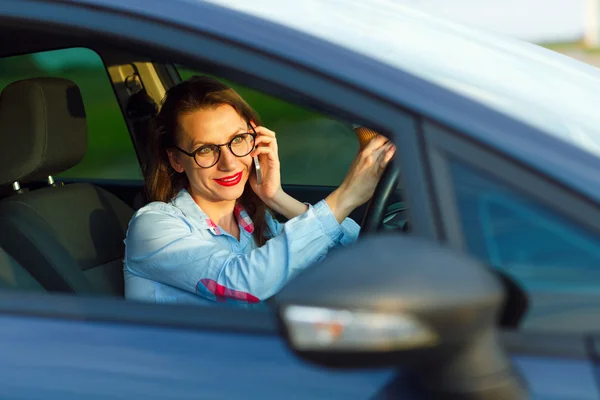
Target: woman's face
<point x="225" y="180"/>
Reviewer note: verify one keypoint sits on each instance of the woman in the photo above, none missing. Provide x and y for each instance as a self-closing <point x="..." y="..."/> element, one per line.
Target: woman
<point x="207" y="235"/>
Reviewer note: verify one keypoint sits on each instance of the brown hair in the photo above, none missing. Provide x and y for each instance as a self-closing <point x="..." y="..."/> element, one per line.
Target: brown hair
<point x="161" y="180"/>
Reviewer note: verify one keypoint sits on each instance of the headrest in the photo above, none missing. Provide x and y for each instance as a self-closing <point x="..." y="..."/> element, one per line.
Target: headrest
<point x="43" y="129"/>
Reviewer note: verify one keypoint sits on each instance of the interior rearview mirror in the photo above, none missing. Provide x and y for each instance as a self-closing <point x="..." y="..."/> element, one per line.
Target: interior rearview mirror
<point x="392" y="300"/>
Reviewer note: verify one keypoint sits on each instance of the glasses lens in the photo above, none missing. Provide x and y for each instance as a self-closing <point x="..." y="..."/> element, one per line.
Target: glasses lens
<point x="242" y="145"/>
<point x="207" y="156"/>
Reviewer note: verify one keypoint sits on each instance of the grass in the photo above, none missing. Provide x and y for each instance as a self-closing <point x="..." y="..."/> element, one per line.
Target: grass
<point x="566" y="47"/>
<point x="563" y="46"/>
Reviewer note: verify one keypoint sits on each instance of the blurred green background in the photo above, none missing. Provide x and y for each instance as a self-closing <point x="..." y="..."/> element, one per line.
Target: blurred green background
<point x="313" y="149"/>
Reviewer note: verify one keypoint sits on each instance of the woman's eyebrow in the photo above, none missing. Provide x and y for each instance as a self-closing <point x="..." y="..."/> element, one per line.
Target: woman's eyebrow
<point x="197" y="144"/>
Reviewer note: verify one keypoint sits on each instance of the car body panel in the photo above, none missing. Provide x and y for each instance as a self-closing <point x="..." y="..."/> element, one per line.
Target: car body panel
<point x="71" y="359"/>
<point x="77" y="359"/>
<point x="551" y="378"/>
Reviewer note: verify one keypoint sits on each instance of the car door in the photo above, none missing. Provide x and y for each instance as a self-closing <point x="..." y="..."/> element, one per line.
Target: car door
<point x="78" y="347"/>
<point x="61" y="347"/>
<point x="520" y="222"/>
<point x="544" y="237"/>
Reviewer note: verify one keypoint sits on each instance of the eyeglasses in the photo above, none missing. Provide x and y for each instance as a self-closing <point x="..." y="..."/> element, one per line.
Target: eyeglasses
<point x="208" y="155"/>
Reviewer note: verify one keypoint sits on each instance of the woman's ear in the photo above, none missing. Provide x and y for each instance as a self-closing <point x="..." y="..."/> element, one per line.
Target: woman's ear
<point x="174" y="161"/>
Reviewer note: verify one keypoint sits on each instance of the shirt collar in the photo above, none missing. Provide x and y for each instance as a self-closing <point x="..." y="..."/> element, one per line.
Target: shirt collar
<point x="190" y="209"/>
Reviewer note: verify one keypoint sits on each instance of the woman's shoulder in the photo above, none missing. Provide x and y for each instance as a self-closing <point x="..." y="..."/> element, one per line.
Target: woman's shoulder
<point x="158" y="209"/>
<point x="156" y="213"/>
<point x="153" y="226"/>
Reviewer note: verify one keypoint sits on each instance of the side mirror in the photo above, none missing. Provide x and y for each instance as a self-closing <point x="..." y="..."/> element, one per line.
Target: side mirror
<point x="392" y="300"/>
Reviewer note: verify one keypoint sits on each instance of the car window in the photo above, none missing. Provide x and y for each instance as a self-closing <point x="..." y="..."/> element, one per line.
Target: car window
<point x="110" y="153"/>
<point x="552" y="257"/>
<point x="313" y="149"/>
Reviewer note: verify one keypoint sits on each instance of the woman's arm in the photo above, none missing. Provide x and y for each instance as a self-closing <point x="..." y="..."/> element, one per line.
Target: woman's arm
<point x="356" y="189"/>
<point x="284" y="204"/>
<point x="350" y="229"/>
<point x="162" y="246"/>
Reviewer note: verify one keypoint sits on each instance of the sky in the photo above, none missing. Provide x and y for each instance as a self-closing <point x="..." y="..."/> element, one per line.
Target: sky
<point x="532" y="20"/>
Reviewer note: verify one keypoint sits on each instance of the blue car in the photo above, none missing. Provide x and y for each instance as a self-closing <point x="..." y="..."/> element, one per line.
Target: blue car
<point x="477" y="271"/>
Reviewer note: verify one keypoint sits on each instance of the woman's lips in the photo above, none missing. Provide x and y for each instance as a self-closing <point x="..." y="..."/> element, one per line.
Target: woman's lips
<point x="230" y="180"/>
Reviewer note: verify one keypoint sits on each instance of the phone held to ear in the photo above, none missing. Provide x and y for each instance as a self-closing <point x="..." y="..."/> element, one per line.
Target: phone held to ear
<point x="257" y="170"/>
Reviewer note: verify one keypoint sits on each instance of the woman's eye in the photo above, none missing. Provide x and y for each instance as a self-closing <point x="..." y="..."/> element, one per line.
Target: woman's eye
<point x="237" y="140"/>
<point x="205" y="150"/>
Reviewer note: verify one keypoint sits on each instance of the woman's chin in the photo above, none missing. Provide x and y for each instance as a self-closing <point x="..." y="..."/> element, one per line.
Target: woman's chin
<point x="230" y="193"/>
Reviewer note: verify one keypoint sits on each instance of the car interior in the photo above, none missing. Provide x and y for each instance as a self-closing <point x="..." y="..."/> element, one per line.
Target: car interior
<point x="73" y="156"/>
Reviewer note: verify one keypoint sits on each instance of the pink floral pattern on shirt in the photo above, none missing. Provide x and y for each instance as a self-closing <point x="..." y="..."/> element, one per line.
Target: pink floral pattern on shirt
<point x="242" y="217"/>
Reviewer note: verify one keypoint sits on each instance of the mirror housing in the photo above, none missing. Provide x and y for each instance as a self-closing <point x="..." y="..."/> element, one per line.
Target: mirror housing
<point x="393" y="300"/>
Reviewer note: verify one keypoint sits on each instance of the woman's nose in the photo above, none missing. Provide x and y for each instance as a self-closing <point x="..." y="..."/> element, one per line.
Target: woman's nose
<point x="227" y="160"/>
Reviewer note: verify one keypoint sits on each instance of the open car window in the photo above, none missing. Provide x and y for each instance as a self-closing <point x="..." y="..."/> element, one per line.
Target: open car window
<point x="110" y="153"/>
<point x="315" y="152"/>
<point x="314" y="149"/>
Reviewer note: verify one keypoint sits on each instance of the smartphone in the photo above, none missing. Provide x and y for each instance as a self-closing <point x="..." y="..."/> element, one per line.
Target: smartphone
<point x="257" y="169"/>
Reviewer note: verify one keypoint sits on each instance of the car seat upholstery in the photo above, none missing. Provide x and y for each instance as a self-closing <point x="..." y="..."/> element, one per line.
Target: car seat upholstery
<point x="68" y="237"/>
<point x="14" y="276"/>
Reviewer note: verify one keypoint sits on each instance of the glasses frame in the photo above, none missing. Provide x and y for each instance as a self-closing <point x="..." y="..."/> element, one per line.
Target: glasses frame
<point x="228" y="144"/>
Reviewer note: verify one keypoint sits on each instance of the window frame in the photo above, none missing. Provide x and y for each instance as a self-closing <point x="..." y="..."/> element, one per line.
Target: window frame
<point x="443" y="144"/>
<point x="305" y="83"/>
<point x="274" y="75"/>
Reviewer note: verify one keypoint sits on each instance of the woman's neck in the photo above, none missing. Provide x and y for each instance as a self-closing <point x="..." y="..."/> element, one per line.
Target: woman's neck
<point x="221" y="213"/>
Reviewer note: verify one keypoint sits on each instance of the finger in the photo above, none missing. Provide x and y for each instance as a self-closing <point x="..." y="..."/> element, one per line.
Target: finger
<point x="261" y="130"/>
<point x="267" y="142"/>
<point x="264" y="139"/>
<point x="376" y="155"/>
<point x="388" y="155"/>
<point x="262" y="150"/>
<point x="376" y="143"/>
<point x="385" y="156"/>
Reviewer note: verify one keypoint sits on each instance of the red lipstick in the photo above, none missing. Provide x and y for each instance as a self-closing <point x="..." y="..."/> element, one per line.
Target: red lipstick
<point x="230" y="180"/>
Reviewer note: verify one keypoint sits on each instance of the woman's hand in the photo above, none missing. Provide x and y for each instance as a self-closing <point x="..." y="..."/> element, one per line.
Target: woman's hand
<point x="362" y="177"/>
<point x="267" y="153"/>
<point x="270" y="190"/>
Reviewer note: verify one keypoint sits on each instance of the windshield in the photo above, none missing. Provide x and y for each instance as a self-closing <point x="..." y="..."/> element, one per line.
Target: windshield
<point x="545" y="89"/>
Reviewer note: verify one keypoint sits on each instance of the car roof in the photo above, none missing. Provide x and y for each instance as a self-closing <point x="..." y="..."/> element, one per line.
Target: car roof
<point x="538" y="86"/>
<point x="550" y="92"/>
<point x="521" y="79"/>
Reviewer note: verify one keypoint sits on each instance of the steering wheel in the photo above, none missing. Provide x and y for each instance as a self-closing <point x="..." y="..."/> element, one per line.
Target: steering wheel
<point x="373" y="219"/>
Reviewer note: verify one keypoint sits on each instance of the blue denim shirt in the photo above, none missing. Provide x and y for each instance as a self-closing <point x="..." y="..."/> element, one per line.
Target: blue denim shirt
<point x="174" y="253"/>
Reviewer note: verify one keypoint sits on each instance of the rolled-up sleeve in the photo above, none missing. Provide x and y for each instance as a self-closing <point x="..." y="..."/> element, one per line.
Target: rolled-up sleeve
<point x="165" y="248"/>
<point x="349" y="228"/>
